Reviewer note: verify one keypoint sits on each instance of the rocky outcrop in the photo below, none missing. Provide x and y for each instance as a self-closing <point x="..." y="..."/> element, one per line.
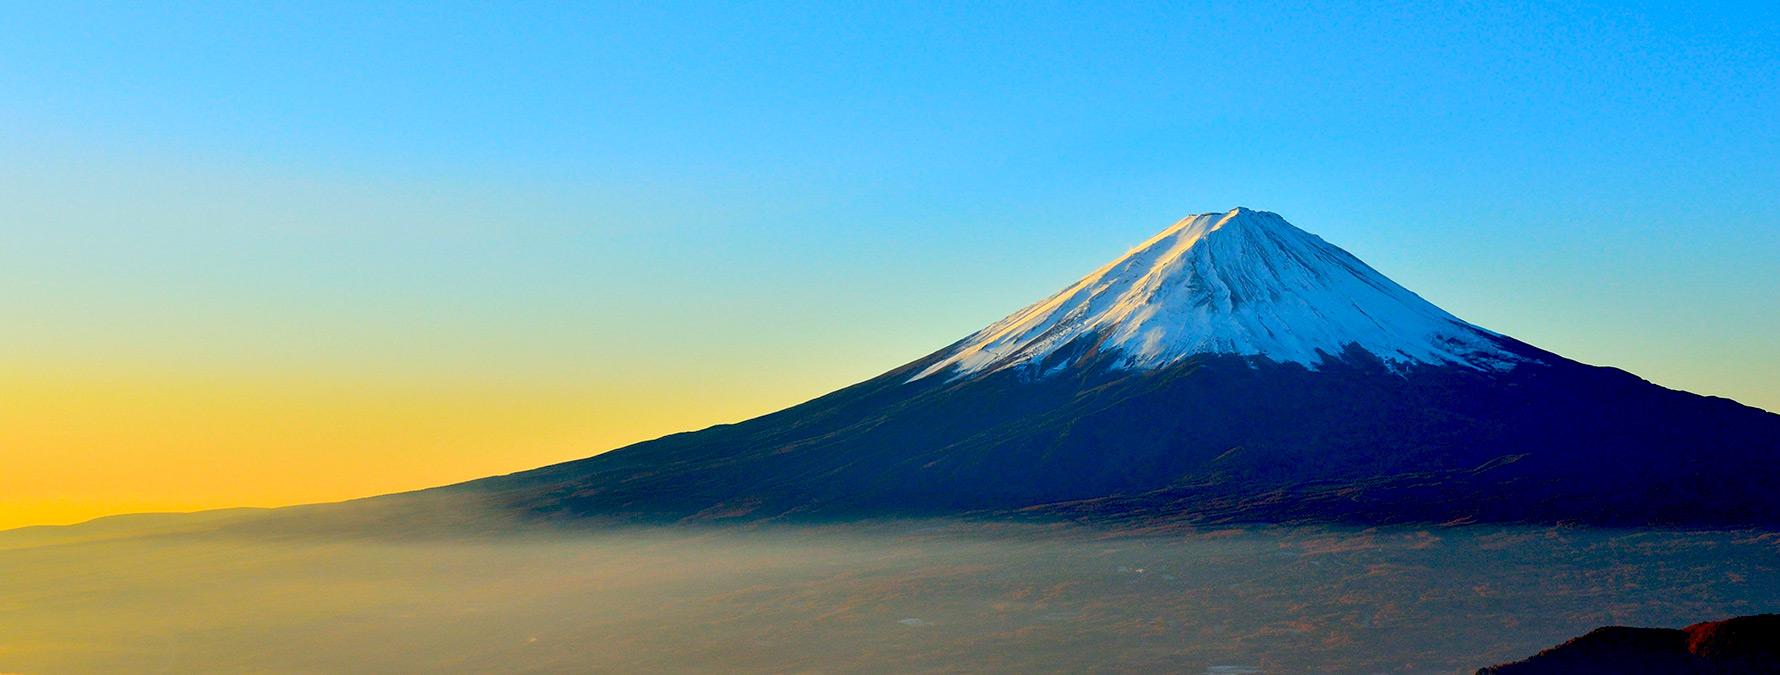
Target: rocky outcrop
<point x="1746" y="645"/>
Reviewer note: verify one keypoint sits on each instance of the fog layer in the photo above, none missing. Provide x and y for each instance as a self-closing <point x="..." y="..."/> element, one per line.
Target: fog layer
<point x="883" y="597"/>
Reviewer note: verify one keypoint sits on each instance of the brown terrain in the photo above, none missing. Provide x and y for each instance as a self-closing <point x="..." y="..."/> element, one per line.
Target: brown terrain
<point x="1745" y="645"/>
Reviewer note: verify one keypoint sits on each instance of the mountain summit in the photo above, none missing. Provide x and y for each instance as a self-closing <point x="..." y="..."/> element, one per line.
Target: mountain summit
<point x="1244" y="283"/>
<point x="1232" y="368"/>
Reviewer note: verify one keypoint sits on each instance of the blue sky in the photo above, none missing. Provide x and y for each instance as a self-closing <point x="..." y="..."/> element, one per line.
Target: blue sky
<point x="721" y="209"/>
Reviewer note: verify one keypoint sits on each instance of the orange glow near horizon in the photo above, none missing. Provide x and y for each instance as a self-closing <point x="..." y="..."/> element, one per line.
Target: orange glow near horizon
<point x="85" y="446"/>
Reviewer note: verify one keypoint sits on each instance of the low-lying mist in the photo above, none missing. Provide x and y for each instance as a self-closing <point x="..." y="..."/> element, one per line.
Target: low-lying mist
<point x="237" y="592"/>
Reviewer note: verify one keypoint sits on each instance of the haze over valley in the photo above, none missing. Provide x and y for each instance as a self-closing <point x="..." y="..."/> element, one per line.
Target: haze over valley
<point x="1246" y="338"/>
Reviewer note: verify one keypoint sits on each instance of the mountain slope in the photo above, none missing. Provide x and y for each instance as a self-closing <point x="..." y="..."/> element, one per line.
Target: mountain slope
<point x="1232" y="368"/>
<point x="1243" y="282"/>
<point x="1745" y="645"/>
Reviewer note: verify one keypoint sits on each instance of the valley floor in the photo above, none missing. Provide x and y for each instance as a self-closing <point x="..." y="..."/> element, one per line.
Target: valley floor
<point x="883" y="597"/>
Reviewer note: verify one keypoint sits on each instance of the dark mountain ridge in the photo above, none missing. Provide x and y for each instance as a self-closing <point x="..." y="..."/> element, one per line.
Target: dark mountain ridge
<point x="1745" y="645"/>
<point x="1215" y="439"/>
<point x="1152" y="391"/>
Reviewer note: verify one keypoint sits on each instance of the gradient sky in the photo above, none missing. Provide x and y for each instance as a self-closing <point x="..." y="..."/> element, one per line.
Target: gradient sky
<point x="282" y="253"/>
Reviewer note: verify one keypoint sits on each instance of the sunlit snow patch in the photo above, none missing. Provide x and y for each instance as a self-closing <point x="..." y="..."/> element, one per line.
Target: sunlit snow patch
<point x="1244" y="283"/>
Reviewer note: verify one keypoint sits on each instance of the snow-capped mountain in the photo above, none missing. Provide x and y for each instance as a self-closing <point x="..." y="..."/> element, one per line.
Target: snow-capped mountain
<point x="1243" y="282"/>
<point x="1233" y="367"/>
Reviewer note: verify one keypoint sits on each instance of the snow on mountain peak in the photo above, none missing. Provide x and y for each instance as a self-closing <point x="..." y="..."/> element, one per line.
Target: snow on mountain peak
<point x="1241" y="282"/>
